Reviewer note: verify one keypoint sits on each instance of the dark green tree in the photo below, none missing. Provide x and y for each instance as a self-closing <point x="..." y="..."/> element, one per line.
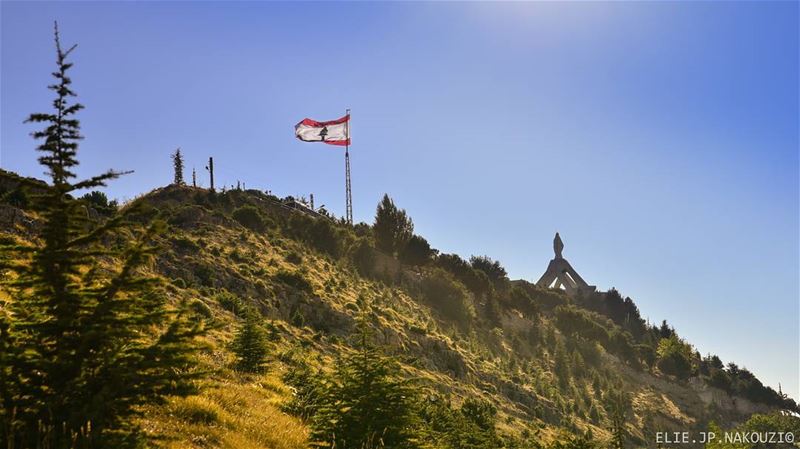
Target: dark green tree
<point x="177" y="164"/>
<point x="417" y="251"/>
<point x="250" y="346"/>
<point x="366" y="402"/>
<point x="470" y="427"/>
<point x="392" y="228"/>
<point x="618" y="405"/>
<point x="496" y="273"/>
<point x="99" y="202"/>
<point x="85" y="344"/>
<point x="250" y="217"/>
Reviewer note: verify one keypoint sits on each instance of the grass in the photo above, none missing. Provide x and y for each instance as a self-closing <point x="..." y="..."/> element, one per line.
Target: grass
<point x="242" y="413"/>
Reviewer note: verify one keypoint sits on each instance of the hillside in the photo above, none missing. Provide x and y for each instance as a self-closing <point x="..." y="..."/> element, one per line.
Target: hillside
<point x="549" y="363"/>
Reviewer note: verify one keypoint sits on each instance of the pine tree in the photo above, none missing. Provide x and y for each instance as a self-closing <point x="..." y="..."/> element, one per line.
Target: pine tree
<point x="366" y="404"/>
<point x="177" y="163"/>
<point x="84" y="343"/>
<point x="250" y="346"/>
<point x="393" y="228"/>
<point x="618" y="405"/>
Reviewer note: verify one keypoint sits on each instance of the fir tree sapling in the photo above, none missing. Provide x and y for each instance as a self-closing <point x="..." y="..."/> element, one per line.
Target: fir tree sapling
<point x="92" y="341"/>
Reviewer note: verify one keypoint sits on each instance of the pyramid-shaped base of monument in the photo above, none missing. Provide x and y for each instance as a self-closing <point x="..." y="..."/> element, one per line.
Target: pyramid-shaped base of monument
<point x="560" y="274"/>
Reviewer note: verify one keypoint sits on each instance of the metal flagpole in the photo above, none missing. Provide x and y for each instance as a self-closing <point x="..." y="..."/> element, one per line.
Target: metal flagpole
<point x="348" y="193"/>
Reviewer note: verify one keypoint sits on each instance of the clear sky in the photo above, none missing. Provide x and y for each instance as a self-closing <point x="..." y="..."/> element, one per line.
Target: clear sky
<point x="660" y="139"/>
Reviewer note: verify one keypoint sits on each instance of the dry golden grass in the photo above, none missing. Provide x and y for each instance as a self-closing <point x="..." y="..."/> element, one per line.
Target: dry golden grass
<point x="236" y="414"/>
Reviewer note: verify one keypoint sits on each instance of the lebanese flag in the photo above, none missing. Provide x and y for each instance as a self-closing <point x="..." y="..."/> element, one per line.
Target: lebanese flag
<point x="334" y="132"/>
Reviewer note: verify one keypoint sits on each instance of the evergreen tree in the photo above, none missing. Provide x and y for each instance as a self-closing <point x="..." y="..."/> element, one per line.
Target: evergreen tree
<point x="496" y="273"/>
<point x="366" y="404"/>
<point x="417" y="251"/>
<point x="618" y="405"/>
<point x="250" y="346"/>
<point x="393" y="228"/>
<point x="83" y="344"/>
<point x="177" y="163"/>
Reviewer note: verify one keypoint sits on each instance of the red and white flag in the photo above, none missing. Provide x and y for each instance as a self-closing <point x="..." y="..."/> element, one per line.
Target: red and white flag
<point x="334" y="132"/>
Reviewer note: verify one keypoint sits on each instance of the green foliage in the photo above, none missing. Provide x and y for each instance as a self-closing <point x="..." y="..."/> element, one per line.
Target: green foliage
<point x="200" y="308"/>
<point x="231" y="303"/>
<point x="177" y="165"/>
<point x="84" y="345"/>
<point x="250" y="217"/>
<point x="492" y="268"/>
<point x="674" y="357"/>
<point x="98" y="201"/>
<point x="618" y="404"/>
<point x="364" y="258"/>
<point x="470" y="427"/>
<point x="320" y="233"/>
<point x="307" y="390"/>
<point x="448" y="296"/>
<point x="520" y="299"/>
<point x="392" y="228"/>
<point x="417" y="251"/>
<point x="775" y="423"/>
<point x="475" y="280"/>
<point x="250" y="346"/>
<point x="366" y="403"/>
<point x="575" y="322"/>
<point x="295" y="280"/>
<point x="17" y="197"/>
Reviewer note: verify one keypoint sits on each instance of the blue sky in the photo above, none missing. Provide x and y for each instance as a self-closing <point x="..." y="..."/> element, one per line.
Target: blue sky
<point x="660" y="139"/>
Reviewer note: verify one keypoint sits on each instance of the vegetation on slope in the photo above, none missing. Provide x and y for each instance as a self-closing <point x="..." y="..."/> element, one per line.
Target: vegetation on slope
<point x="312" y="328"/>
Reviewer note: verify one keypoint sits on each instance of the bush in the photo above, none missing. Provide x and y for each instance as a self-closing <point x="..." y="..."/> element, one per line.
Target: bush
<point x="294" y="279"/>
<point x="417" y="251"/>
<point x="475" y="280"/>
<point x="17" y="198"/>
<point x="200" y="308"/>
<point x="496" y="273"/>
<point x="320" y="233"/>
<point x="98" y="201"/>
<point x="364" y="258"/>
<point x="250" y="217"/>
<point x="231" y="303"/>
<point x="448" y="296"/>
<point x="576" y="322"/>
<point x="675" y="357"/>
<point x="472" y="426"/>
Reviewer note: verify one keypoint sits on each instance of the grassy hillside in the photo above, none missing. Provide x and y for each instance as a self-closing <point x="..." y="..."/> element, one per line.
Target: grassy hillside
<point x="549" y="364"/>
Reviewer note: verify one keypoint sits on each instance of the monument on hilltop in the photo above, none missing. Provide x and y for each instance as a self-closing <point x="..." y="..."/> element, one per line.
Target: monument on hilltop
<point x="560" y="273"/>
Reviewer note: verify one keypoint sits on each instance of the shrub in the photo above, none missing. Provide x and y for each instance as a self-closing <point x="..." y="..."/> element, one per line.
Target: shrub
<point x="98" y="201"/>
<point x="17" y="198"/>
<point x="448" y="296"/>
<point x="417" y="251"/>
<point x="675" y="357"/>
<point x="231" y="302"/>
<point x="250" y="217"/>
<point x="496" y="273"/>
<point x="573" y="321"/>
<point x="364" y="258"/>
<point x="294" y="279"/>
<point x="475" y="280"/>
<point x="294" y="258"/>
<point x="200" y="308"/>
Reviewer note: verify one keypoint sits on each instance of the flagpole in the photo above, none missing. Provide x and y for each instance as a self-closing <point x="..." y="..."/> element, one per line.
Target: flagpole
<point x="348" y="192"/>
